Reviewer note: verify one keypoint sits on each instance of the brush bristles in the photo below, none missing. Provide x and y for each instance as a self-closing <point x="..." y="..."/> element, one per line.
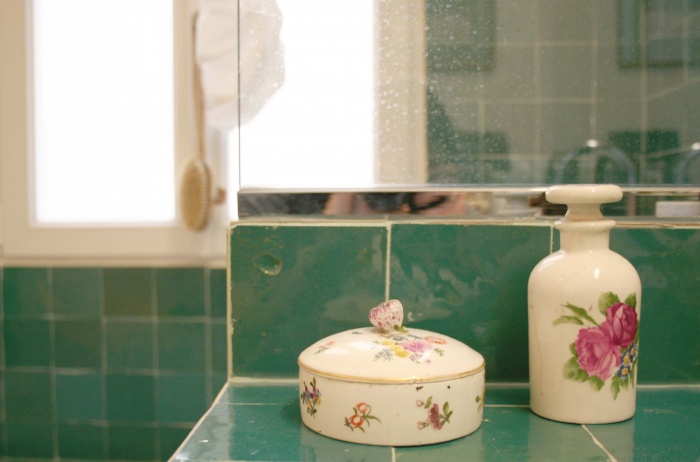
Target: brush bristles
<point x="195" y="195"/>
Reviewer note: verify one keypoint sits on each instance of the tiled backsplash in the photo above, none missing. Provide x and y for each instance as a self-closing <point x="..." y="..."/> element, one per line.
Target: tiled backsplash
<point x="118" y="363"/>
<point x="108" y="363"/>
<point x="293" y="284"/>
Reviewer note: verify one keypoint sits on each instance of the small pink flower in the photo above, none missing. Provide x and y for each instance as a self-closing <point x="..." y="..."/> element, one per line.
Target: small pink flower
<point x="597" y="355"/>
<point x="434" y="417"/>
<point x="415" y="346"/>
<point x="623" y="321"/>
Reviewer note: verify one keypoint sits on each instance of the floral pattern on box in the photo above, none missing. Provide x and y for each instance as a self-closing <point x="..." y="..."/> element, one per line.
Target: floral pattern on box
<point x="437" y="417"/>
<point x="606" y="351"/>
<point x="417" y="349"/>
<point x="311" y="398"/>
<point x="480" y="399"/>
<point x="362" y="415"/>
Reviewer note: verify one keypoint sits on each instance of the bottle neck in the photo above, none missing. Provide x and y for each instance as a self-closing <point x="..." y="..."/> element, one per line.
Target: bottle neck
<point x="583" y="236"/>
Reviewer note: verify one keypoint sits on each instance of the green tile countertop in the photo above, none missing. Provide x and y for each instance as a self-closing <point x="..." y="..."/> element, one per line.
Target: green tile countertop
<point x="261" y="422"/>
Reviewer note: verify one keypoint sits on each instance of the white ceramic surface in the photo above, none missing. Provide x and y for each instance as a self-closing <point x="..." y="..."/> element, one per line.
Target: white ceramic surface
<point x="583" y="310"/>
<point x="400" y="387"/>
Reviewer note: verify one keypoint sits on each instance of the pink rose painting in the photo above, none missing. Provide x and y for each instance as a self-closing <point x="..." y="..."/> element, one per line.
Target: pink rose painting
<point x="597" y="355"/>
<point x="622" y="319"/>
<point x="605" y="351"/>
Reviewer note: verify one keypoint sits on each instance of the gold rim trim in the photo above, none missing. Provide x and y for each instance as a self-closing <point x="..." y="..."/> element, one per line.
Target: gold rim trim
<point x="408" y="380"/>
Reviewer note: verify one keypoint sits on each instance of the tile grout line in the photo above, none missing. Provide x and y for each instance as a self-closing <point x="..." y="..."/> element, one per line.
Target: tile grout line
<point x="669" y="386"/>
<point x="229" y="312"/>
<point x="644" y="78"/>
<point x="595" y="72"/>
<point x="104" y="366"/>
<point x="155" y="344"/>
<point x="519" y="406"/>
<point x="387" y="267"/>
<point x="599" y="444"/>
<point x="53" y="399"/>
<point x="3" y="366"/>
<point x="208" y="353"/>
<point x="537" y="81"/>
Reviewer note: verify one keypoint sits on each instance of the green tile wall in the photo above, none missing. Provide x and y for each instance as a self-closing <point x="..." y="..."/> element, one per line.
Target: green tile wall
<point x="108" y="363"/>
<point x="95" y="362"/>
<point x="292" y="285"/>
<point x="466" y="280"/>
<point x="668" y="263"/>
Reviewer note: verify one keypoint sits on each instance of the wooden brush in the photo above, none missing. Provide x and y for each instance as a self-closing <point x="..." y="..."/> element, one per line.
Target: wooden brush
<point x="196" y="179"/>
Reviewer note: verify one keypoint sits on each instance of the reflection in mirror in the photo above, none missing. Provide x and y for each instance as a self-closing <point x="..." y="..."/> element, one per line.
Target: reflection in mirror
<point x="439" y="203"/>
<point x="501" y="203"/>
<point x="396" y="95"/>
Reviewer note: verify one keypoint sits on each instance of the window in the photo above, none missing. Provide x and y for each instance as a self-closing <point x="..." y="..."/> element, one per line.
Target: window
<point x="96" y="95"/>
<point x="103" y="112"/>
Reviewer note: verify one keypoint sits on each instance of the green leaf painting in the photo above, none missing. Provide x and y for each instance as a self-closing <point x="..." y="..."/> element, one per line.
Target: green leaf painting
<point x="607" y="299"/>
<point x="579" y="316"/>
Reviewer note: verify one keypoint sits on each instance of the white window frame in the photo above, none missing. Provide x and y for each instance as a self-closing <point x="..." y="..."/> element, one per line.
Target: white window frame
<point x="23" y="240"/>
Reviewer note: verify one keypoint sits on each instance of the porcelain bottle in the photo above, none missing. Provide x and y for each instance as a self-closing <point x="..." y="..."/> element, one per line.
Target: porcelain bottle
<point x="583" y="317"/>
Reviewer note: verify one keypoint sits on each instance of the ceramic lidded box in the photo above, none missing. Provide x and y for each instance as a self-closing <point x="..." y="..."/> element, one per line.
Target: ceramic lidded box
<point x="391" y="385"/>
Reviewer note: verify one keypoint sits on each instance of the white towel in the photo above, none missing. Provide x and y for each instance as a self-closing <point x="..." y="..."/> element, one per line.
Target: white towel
<point x="261" y="60"/>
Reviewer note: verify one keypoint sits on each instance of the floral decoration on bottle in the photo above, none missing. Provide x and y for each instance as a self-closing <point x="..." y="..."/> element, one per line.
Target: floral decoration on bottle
<point x="311" y="398"/>
<point x="361" y="416"/>
<point x="608" y="350"/>
<point x="436" y="418"/>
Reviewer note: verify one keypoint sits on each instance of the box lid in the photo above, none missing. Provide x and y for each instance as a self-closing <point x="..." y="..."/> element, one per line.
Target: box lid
<point x="390" y="353"/>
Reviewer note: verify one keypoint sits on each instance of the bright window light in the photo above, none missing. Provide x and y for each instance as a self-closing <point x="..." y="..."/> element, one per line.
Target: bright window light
<point x="103" y="112"/>
<point x="319" y="60"/>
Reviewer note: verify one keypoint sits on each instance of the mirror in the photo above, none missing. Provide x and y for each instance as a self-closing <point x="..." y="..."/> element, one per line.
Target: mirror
<point x="416" y="95"/>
